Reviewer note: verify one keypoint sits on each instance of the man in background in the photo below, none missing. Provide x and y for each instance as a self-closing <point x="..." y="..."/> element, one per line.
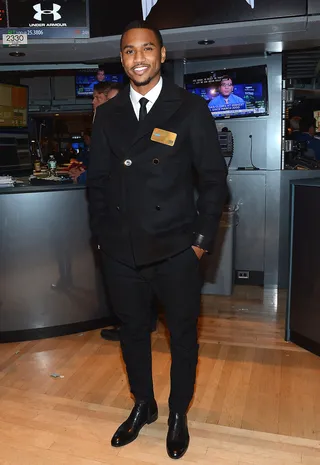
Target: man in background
<point x="226" y="97"/>
<point x="306" y="134"/>
<point x="102" y="93"/>
<point x="294" y="124"/>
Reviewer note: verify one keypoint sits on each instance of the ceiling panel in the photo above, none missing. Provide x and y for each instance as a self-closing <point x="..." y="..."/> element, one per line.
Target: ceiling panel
<point x="230" y="40"/>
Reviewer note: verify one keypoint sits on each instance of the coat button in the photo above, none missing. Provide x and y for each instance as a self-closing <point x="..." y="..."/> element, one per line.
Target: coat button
<point x="158" y="207"/>
<point x="128" y="162"/>
<point x="155" y="161"/>
<point x="118" y="208"/>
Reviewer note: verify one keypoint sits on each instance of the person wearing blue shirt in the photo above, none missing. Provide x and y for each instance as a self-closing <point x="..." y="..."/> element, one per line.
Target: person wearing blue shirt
<point x="226" y="98"/>
<point x="306" y="134"/>
<point x="100" y="77"/>
<point x="103" y="92"/>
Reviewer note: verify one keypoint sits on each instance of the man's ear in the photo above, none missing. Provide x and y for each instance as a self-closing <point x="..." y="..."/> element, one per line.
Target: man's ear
<point x="163" y="54"/>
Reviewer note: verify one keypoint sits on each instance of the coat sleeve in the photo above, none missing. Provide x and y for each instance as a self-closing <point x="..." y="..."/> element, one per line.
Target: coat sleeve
<point x="98" y="173"/>
<point x="211" y="173"/>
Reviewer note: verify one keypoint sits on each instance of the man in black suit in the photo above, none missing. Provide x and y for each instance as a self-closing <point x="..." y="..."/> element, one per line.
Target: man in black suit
<point x="147" y="144"/>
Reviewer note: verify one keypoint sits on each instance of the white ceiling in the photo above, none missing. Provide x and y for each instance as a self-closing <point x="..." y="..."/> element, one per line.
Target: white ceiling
<point x="230" y="39"/>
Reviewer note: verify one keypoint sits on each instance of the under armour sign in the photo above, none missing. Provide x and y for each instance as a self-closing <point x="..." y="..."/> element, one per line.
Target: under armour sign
<point x="53" y="12"/>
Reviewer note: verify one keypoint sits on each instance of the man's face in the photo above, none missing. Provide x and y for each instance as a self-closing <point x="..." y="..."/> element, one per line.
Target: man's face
<point x="100" y="75"/>
<point x="100" y="98"/>
<point x="226" y="87"/>
<point x="141" y="57"/>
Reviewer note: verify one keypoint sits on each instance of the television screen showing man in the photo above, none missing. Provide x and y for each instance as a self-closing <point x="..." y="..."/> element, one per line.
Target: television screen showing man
<point x="226" y="98"/>
<point x="100" y="77"/>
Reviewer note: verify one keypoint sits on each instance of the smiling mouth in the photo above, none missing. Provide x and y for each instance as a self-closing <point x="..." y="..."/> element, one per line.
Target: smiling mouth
<point x="139" y="70"/>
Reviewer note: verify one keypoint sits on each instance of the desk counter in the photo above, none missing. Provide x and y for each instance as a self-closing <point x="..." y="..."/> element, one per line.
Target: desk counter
<point x="50" y="279"/>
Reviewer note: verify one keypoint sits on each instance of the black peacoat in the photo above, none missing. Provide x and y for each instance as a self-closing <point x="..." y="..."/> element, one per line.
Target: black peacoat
<point x="141" y="192"/>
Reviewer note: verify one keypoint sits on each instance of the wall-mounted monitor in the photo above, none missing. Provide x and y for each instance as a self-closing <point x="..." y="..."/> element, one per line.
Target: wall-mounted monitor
<point x="13" y="107"/>
<point x="232" y="93"/>
<point x="86" y="80"/>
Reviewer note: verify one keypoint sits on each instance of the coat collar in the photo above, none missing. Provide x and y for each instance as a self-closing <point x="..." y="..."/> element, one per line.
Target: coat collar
<point x="168" y="92"/>
<point x="124" y="118"/>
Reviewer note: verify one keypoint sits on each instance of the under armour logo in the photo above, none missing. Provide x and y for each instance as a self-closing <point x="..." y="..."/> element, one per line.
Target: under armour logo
<point x="40" y="12"/>
<point x="251" y="3"/>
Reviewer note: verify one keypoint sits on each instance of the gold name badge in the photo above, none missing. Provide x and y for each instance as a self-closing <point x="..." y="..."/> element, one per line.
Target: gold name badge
<point x="164" y="137"/>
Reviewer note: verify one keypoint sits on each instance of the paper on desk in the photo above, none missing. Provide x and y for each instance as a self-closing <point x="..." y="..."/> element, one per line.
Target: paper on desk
<point x="6" y="181"/>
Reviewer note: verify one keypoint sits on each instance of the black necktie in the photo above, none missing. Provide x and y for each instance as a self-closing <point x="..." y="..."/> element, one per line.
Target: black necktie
<point x="143" y="108"/>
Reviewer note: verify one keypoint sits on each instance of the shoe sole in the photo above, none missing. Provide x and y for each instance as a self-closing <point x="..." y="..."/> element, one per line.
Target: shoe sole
<point x="148" y="422"/>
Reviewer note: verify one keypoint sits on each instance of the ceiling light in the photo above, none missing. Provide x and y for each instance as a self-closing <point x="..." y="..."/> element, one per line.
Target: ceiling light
<point x="17" y="54"/>
<point x="206" y="42"/>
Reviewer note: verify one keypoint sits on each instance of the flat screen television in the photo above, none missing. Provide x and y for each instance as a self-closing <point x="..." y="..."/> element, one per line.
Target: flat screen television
<point x="13" y="107"/>
<point x="85" y="81"/>
<point x="232" y="93"/>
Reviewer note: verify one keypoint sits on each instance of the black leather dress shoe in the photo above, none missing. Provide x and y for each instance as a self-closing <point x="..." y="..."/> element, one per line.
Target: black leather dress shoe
<point x="111" y="334"/>
<point x="178" y="435"/>
<point x="142" y="413"/>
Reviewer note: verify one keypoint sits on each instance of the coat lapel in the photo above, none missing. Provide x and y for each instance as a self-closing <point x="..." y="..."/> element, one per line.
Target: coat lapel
<point x="166" y="105"/>
<point x="129" y="130"/>
<point x="124" y="121"/>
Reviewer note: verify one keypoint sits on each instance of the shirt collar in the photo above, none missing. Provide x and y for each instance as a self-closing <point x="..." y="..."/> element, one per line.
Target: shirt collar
<point x="152" y="95"/>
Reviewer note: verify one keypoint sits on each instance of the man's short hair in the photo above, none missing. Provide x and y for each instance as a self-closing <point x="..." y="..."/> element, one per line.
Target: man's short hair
<point x="116" y="85"/>
<point x="102" y="87"/>
<point x="295" y="123"/>
<point x="105" y="87"/>
<point x="139" y="24"/>
<point x="226" y="78"/>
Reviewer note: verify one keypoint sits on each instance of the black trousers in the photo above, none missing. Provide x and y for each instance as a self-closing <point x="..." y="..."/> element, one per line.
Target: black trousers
<point x="177" y="284"/>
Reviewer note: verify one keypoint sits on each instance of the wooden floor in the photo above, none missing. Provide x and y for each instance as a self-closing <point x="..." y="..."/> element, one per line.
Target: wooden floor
<point x="257" y="398"/>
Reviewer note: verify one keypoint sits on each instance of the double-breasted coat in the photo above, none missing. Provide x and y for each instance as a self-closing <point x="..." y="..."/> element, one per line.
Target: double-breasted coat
<point x="142" y="192"/>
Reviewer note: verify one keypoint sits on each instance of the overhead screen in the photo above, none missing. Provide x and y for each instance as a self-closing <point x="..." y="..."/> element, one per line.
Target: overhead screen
<point x="232" y="93"/>
<point x="47" y="19"/>
<point x="167" y="14"/>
